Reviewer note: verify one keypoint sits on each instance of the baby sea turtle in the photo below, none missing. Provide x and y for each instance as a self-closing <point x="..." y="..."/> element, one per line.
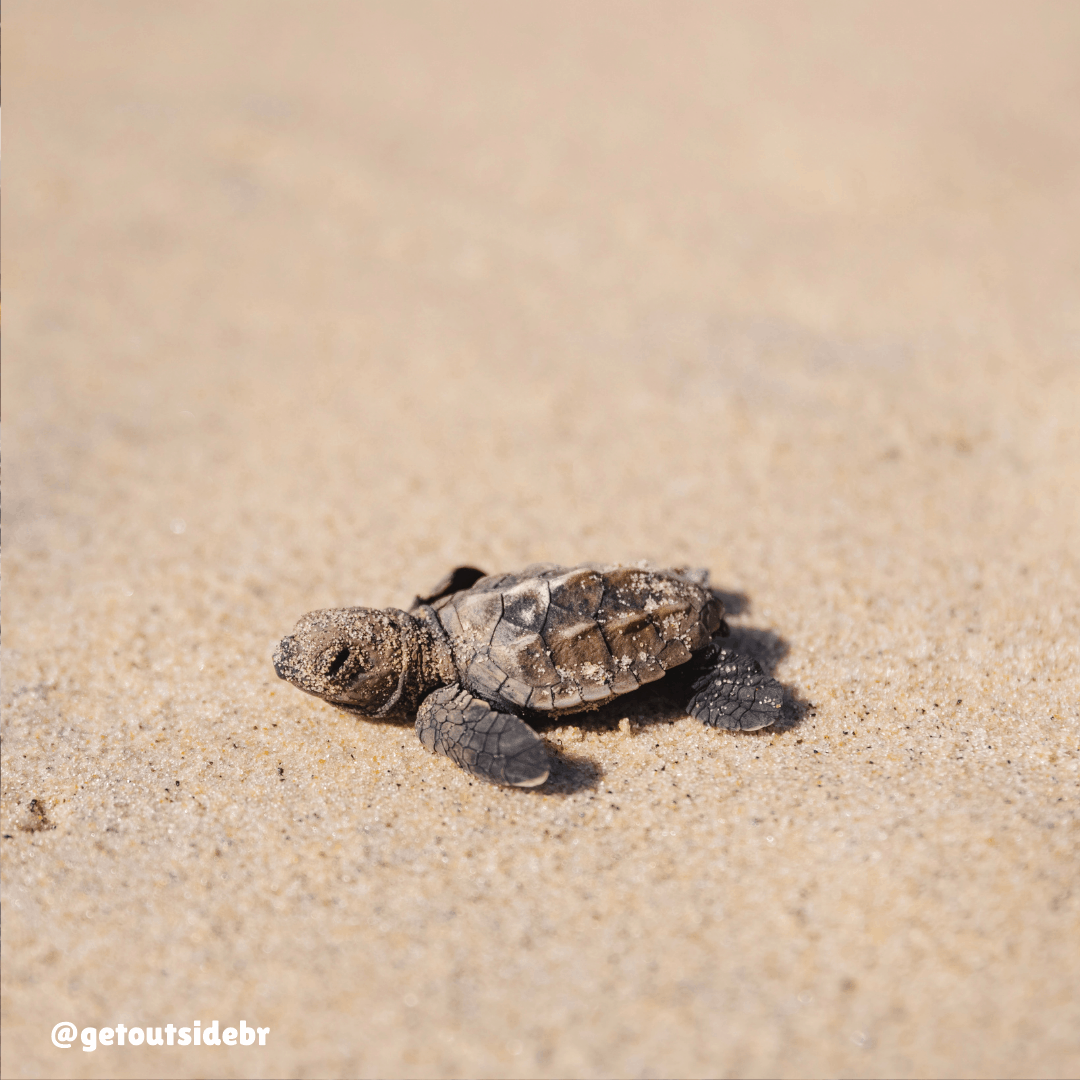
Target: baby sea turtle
<point x="482" y="653"/>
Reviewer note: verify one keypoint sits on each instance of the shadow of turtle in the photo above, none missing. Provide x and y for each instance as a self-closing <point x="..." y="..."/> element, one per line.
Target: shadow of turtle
<point x="570" y="772"/>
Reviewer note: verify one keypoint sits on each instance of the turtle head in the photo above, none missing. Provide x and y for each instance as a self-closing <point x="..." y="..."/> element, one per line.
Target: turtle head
<point x="357" y="658"/>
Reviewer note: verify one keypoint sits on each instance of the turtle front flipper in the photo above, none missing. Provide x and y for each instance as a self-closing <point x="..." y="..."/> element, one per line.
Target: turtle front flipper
<point x="459" y="579"/>
<point x="734" y="693"/>
<point x="497" y="746"/>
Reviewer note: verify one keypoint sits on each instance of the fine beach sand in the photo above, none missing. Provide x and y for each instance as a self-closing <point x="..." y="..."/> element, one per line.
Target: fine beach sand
<point x="307" y="304"/>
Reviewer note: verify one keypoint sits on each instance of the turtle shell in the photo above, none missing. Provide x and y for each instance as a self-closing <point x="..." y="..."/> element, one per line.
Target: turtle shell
<point x="554" y="638"/>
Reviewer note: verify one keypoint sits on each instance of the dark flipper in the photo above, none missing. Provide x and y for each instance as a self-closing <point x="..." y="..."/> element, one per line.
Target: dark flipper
<point x="733" y="692"/>
<point x="498" y="746"/>
<point x="461" y="577"/>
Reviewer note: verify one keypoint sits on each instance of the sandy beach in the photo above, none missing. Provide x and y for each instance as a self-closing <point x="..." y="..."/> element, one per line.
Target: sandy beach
<point x="306" y="304"/>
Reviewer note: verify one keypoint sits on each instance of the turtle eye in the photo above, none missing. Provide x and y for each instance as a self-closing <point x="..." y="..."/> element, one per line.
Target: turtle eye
<point x="338" y="662"/>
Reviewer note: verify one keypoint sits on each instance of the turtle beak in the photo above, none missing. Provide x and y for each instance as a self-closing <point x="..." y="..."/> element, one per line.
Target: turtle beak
<point x="283" y="659"/>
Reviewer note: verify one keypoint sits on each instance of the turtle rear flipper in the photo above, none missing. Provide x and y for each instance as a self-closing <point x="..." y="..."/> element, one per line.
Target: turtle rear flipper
<point x="734" y="693"/>
<point x="497" y="746"/>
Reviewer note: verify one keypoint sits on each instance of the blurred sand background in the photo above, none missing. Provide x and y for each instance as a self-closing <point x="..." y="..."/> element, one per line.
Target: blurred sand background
<point x="306" y="304"/>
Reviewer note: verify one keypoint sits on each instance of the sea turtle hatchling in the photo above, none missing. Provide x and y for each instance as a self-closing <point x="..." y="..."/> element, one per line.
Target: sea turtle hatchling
<point x="482" y="653"/>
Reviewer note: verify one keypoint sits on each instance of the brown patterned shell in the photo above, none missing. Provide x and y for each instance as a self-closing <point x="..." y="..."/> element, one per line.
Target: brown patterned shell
<point x="553" y="638"/>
